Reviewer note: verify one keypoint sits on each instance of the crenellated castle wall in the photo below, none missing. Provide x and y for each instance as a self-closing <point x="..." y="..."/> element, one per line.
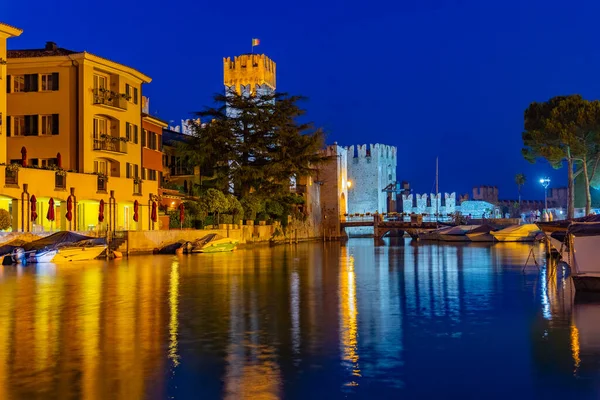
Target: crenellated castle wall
<point x="426" y="203"/>
<point x="249" y="71"/>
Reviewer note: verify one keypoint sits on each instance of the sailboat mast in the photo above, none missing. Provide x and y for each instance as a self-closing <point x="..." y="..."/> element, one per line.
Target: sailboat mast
<point x="437" y="189"/>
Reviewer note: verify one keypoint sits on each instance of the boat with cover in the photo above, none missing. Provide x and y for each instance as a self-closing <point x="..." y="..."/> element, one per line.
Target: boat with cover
<point x="518" y="233"/>
<point x="59" y="247"/>
<point x="435" y="233"/>
<point x="583" y="240"/>
<point x="461" y="233"/>
<point x="214" y="243"/>
<point x="482" y="234"/>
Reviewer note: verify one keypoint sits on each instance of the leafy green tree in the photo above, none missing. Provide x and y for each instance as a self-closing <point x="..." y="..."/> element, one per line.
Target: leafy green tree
<point x="564" y="129"/>
<point x="520" y="180"/>
<point x="254" y="143"/>
<point x="252" y="205"/>
<point x="214" y="202"/>
<point x="5" y="220"/>
<point x="234" y="207"/>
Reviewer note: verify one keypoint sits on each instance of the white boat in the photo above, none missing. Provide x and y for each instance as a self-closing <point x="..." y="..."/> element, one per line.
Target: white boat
<point x="518" y="233"/>
<point x="584" y="258"/>
<point x="41" y="257"/>
<point x="76" y="253"/>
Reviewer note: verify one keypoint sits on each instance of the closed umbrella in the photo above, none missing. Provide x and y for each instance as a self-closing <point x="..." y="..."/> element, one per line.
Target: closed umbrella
<point x="181" y="213"/>
<point x="69" y="209"/>
<point x="33" y="202"/>
<point x="136" y="207"/>
<point x="50" y="214"/>
<point x="154" y="215"/>
<point x="101" y="211"/>
<point x="23" y="156"/>
<point x="58" y="160"/>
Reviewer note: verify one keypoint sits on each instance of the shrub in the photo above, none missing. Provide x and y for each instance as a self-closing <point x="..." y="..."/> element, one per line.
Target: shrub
<point x="5" y="220"/>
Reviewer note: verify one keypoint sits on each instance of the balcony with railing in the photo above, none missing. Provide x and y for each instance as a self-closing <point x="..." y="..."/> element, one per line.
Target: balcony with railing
<point x="11" y="176"/>
<point x="137" y="187"/>
<point x="179" y="170"/>
<point x="110" y="143"/>
<point x="109" y="98"/>
<point x="60" y="181"/>
<point x="102" y="184"/>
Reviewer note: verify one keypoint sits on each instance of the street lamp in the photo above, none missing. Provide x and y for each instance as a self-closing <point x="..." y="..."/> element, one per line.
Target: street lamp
<point x="545" y="183"/>
<point x="349" y="184"/>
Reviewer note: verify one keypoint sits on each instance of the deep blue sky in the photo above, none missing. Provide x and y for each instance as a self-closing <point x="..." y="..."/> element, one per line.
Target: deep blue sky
<point x="432" y="77"/>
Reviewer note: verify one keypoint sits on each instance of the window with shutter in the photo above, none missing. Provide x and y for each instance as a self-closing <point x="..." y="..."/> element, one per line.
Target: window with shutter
<point x="55" y="124"/>
<point x="31" y="83"/>
<point x="143" y="173"/>
<point x="144" y="132"/>
<point x="8" y="132"/>
<point x="127" y="170"/>
<point x="136" y="171"/>
<point x="128" y="131"/>
<point x="135" y="134"/>
<point x="55" y="81"/>
<point x="135" y="95"/>
<point x="128" y="90"/>
<point x="8" y="83"/>
<point x="34" y="125"/>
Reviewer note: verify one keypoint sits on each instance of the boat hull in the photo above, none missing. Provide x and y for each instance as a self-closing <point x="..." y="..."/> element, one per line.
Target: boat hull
<point x="586" y="283"/>
<point x="70" y="254"/>
<point x="453" y="238"/>
<point x="219" y="246"/>
<point x="42" y="257"/>
<point x="480" y="237"/>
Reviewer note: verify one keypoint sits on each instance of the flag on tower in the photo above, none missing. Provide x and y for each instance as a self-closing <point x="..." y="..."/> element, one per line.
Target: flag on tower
<point x="255" y="42"/>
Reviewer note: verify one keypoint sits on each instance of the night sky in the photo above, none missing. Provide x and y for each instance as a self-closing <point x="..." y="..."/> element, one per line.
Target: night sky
<point x="432" y="77"/>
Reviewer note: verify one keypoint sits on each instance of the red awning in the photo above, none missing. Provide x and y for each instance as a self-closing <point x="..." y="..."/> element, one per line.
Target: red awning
<point x="69" y="215"/>
<point x="50" y="214"/>
<point x="136" y="207"/>
<point x="181" y="212"/>
<point x="33" y="202"/>
<point x="154" y="214"/>
<point x="23" y="156"/>
<point x="101" y="211"/>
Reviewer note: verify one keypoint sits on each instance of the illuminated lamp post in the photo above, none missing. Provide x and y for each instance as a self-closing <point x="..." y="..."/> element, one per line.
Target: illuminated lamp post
<point x="545" y="183"/>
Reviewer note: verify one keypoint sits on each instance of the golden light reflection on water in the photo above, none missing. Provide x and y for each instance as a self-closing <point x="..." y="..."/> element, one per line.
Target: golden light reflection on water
<point x="174" y="315"/>
<point x="348" y="315"/>
<point x="83" y="331"/>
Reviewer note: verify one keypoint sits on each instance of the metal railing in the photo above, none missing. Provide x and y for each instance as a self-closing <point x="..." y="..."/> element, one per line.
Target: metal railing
<point x="116" y="146"/>
<point x="11" y="177"/>
<point x="102" y="184"/>
<point x="60" y="181"/>
<point x="109" y="98"/>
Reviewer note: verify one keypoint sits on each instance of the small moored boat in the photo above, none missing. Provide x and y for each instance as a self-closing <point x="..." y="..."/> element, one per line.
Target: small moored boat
<point x="584" y="255"/>
<point x="214" y="243"/>
<point x="518" y="233"/>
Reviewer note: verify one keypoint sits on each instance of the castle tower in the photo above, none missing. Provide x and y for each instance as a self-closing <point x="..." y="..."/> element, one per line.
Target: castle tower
<point x="249" y="74"/>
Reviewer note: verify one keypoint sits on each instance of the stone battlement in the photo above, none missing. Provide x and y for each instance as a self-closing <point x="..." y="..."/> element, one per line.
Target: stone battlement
<point x="249" y="69"/>
<point x="376" y="150"/>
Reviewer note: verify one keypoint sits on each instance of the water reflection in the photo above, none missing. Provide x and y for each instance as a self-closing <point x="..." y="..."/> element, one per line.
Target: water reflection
<point x="348" y="314"/>
<point x="298" y="321"/>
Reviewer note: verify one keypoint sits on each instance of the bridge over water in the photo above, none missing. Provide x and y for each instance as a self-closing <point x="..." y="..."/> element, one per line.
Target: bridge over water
<point x="381" y="226"/>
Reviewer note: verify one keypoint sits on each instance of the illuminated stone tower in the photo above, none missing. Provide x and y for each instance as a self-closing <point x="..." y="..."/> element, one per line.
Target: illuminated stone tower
<point x="249" y="74"/>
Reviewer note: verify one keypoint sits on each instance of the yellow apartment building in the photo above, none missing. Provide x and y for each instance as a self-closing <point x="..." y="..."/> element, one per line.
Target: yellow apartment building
<point x="72" y="130"/>
<point x="6" y="31"/>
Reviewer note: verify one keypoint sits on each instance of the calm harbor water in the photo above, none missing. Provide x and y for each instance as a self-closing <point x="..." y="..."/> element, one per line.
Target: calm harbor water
<point x="317" y="320"/>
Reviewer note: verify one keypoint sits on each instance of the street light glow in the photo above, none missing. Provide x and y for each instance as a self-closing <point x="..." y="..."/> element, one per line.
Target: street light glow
<point x="349" y="184"/>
